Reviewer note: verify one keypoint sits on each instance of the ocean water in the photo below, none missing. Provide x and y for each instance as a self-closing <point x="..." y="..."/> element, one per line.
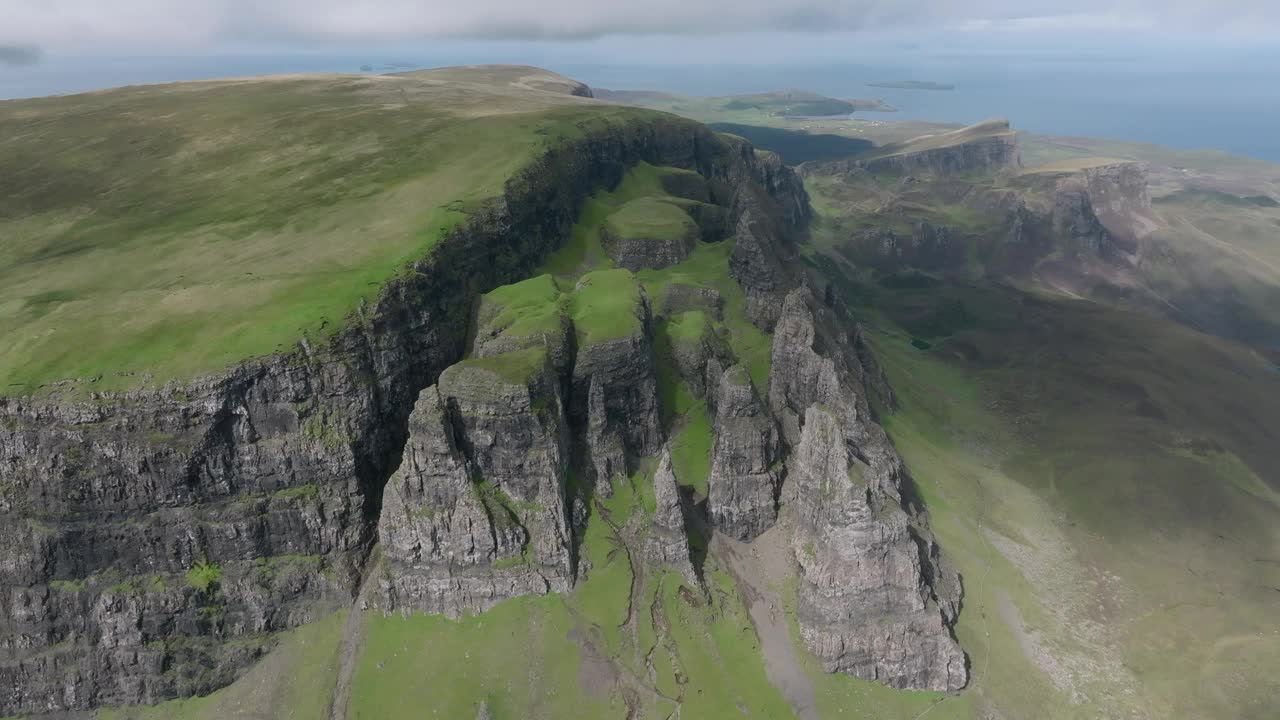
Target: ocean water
<point x="1231" y="106"/>
<point x="1236" y="110"/>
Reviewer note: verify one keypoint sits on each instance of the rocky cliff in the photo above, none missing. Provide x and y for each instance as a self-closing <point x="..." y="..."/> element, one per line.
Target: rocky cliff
<point x="986" y="147"/>
<point x="875" y="599"/>
<point x="467" y="422"/>
<point x="157" y="538"/>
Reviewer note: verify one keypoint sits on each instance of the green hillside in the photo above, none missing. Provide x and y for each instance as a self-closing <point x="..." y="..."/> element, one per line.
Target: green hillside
<point x="1103" y="480"/>
<point x="164" y="232"/>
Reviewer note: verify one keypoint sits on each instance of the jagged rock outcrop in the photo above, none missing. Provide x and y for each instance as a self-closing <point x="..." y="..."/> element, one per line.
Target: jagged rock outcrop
<point x="477" y="511"/>
<point x="866" y="603"/>
<point x="269" y="476"/>
<point x="697" y="352"/>
<point x="615" y="400"/>
<point x="772" y="209"/>
<point x="1105" y="209"/>
<point x="666" y="541"/>
<point x="875" y="600"/>
<point x="746" y="472"/>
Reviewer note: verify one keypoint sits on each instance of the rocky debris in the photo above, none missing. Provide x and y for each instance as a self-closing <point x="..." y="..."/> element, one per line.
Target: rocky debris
<point x="667" y="540"/>
<point x="746" y="472"/>
<point x="477" y="511"/>
<point x="875" y="599"/>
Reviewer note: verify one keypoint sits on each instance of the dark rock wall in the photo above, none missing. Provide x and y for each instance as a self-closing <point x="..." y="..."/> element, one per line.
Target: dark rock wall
<point x="267" y="479"/>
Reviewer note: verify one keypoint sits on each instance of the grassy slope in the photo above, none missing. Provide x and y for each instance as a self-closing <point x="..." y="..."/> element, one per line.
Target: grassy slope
<point x="161" y="229"/>
<point x="1089" y="471"/>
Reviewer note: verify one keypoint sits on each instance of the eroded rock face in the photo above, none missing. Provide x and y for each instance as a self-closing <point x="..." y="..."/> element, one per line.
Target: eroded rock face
<point x="637" y="253"/>
<point x="477" y="511"/>
<point x="270" y="471"/>
<point x="615" y="399"/>
<point x="771" y="208"/>
<point x="984" y="147"/>
<point x="875" y="599"/>
<point x="746" y="473"/>
<point x="1104" y="210"/>
<point x="667" y="541"/>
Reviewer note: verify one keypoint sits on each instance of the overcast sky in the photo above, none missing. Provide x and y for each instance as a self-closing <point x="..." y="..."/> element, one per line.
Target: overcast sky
<point x="28" y="27"/>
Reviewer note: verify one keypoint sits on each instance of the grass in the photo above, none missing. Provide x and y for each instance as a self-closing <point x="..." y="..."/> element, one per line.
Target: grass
<point x="516" y="658"/>
<point x="204" y="575"/>
<point x="691" y="449"/>
<point x="606" y="306"/>
<point x="529" y="307"/>
<point x="650" y="218"/>
<point x="515" y="367"/>
<point x="715" y="643"/>
<point x="584" y="252"/>
<point x="164" y="232"/>
<point x="688" y="328"/>
<point x="707" y="267"/>
<point x="1100" y="484"/>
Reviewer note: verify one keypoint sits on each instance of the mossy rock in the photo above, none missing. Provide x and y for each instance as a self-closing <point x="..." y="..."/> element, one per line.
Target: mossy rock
<point x="685" y="184"/>
<point x="529" y="307"/>
<point x="518" y="367"/>
<point x="649" y="233"/>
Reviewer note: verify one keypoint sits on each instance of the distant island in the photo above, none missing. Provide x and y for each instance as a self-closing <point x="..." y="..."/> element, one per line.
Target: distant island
<point x="912" y="85"/>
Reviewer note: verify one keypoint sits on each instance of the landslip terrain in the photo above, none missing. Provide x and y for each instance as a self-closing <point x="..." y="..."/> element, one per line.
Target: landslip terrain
<point x="464" y="393"/>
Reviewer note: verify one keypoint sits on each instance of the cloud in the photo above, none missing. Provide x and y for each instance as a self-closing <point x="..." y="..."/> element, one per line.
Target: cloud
<point x="195" y="23"/>
<point x="19" y="55"/>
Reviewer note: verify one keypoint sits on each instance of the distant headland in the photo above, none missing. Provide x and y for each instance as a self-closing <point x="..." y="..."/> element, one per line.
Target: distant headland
<point x="912" y="85"/>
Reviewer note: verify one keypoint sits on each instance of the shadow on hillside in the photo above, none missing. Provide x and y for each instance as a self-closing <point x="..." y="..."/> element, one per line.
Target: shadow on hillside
<point x="796" y="146"/>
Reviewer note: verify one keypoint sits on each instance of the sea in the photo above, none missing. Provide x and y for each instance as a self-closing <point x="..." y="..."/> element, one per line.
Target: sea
<point x="1227" y="106"/>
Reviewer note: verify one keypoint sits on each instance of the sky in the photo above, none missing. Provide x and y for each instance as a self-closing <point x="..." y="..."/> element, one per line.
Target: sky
<point x="32" y="29"/>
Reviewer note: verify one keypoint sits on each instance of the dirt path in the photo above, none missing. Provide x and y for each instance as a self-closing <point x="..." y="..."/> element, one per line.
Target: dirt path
<point x="753" y="567"/>
<point x="353" y="632"/>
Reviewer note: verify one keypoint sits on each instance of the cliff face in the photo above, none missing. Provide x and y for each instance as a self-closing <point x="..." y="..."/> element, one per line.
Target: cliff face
<point x="746" y="472"/>
<point x="1104" y="210"/>
<point x="157" y="539"/>
<point x="875" y="600"/>
<point x="147" y="530"/>
<point x="985" y="147"/>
